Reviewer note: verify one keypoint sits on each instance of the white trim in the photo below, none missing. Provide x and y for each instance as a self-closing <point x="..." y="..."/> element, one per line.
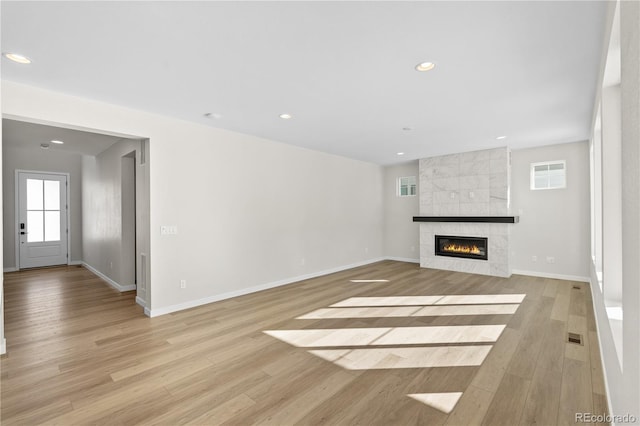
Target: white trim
<point x="550" y="275"/>
<point x="402" y="259"/>
<point x="109" y="281"/>
<point x="228" y="295"/>
<point x="3" y="346"/>
<point x="11" y="269"/>
<point x="141" y="302"/>
<point x="595" y="314"/>
<point x="75" y="262"/>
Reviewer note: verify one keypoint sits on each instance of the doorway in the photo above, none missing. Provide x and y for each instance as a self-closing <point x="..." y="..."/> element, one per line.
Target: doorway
<point x="42" y="219"/>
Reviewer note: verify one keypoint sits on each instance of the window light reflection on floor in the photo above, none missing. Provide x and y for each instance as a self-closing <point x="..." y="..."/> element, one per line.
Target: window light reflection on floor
<point x="411" y="311"/>
<point x="470" y="299"/>
<point x="413" y="357"/>
<point x="389" y="335"/>
<point x="445" y="401"/>
<point x="371" y="348"/>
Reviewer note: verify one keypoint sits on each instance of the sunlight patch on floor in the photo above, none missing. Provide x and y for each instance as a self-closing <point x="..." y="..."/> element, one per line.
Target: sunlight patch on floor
<point x="444" y="402"/>
<point x="389" y="335"/>
<point x="416" y="357"/>
<point x="467" y="299"/>
<point x="381" y="348"/>
<point x="411" y="311"/>
<point x="388" y="301"/>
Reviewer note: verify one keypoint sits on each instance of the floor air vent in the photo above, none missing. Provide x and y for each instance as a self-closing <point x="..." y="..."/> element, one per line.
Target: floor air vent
<point x="574" y="338"/>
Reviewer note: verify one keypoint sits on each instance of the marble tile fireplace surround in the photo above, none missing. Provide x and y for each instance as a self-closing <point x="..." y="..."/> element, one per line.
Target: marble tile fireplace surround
<point x="467" y="195"/>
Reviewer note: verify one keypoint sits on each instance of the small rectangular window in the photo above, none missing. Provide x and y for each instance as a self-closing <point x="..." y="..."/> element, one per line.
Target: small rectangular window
<point x="548" y="175"/>
<point x="407" y="186"/>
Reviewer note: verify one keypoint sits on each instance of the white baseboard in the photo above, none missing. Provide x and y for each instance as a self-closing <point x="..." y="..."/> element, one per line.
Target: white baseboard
<point x="15" y="268"/>
<point x="141" y="302"/>
<point x="218" y="297"/>
<point x="403" y="259"/>
<point x="3" y="346"/>
<point x="554" y="276"/>
<point x="109" y="281"/>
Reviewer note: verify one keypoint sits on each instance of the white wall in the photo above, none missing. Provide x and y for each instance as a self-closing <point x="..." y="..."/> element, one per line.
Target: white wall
<point x="3" y="343"/>
<point x="107" y="230"/>
<point x="401" y="234"/>
<point x="630" y="42"/>
<point x="44" y="161"/>
<point x="612" y="196"/>
<point x="553" y="222"/>
<point x="250" y="212"/>
<point x="624" y="379"/>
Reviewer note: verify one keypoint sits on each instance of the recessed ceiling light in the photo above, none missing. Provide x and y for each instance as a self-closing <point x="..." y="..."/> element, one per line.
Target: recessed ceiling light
<point x="501" y="137"/>
<point x="425" y="66"/>
<point x="57" y="142"/>
<point x="286" y="116"/>
<point x="17" y="58"/>
<point x="44" y="145"/>
<point x="400" y="153"/>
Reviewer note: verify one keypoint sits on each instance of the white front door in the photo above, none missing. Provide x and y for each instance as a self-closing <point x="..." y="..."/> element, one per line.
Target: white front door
<point x="42" y="219"/>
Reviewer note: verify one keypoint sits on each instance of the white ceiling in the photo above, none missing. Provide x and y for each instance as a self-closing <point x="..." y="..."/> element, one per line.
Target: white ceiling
<point x="345" y="70"/>
<point x="19" y="134"/>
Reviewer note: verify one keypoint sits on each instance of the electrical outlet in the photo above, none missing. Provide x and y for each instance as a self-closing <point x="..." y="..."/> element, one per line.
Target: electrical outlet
<point x="303" y="261"/>
<point x="413" y="248"/>
<point x="183" y="283"/>
<point x="366" y="250"/>
<point x="110" y="265"/>
<point x="551" y="259"/>
<point x="534" y="258"/>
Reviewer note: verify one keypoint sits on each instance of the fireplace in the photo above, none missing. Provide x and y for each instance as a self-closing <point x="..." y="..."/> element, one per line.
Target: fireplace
<point x="465" y="247"/>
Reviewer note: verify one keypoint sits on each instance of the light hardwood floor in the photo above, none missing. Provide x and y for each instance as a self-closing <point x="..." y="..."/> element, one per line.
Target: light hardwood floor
<point x="81" y="353"/>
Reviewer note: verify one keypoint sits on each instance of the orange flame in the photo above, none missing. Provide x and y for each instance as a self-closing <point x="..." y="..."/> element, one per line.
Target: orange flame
<point x="455" y="248"/>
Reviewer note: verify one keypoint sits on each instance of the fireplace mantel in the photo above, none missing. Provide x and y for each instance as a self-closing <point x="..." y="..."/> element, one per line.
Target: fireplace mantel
<point x="468" y="219"/>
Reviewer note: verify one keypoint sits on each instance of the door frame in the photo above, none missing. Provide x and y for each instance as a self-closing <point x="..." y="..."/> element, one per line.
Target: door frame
<point x="17" y="211"/>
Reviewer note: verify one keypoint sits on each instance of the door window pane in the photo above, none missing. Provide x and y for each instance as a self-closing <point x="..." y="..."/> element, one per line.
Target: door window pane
<point x="35" y="227"/>
<point x="34" y="194"/>
<point x="52" y="226"/>
<point x="51" y="195"/>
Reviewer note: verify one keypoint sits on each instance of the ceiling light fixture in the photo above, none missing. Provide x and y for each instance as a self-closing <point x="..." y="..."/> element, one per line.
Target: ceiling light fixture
<point x="501" y="137"/>
<point x="57" y="142"/>
<point x="44" y="145"/>
<point x="425" y="66"/>
<point x="286" y="116"/>
<point x="17" y="58"/>
<point x="400" y="153"/>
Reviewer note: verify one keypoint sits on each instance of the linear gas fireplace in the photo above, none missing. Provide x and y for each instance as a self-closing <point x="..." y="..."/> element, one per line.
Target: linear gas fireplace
<point x="465" y="247"/>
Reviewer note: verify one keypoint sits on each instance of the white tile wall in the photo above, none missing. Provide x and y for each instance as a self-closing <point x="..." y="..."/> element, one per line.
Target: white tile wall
<point x="468" y="184"/>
